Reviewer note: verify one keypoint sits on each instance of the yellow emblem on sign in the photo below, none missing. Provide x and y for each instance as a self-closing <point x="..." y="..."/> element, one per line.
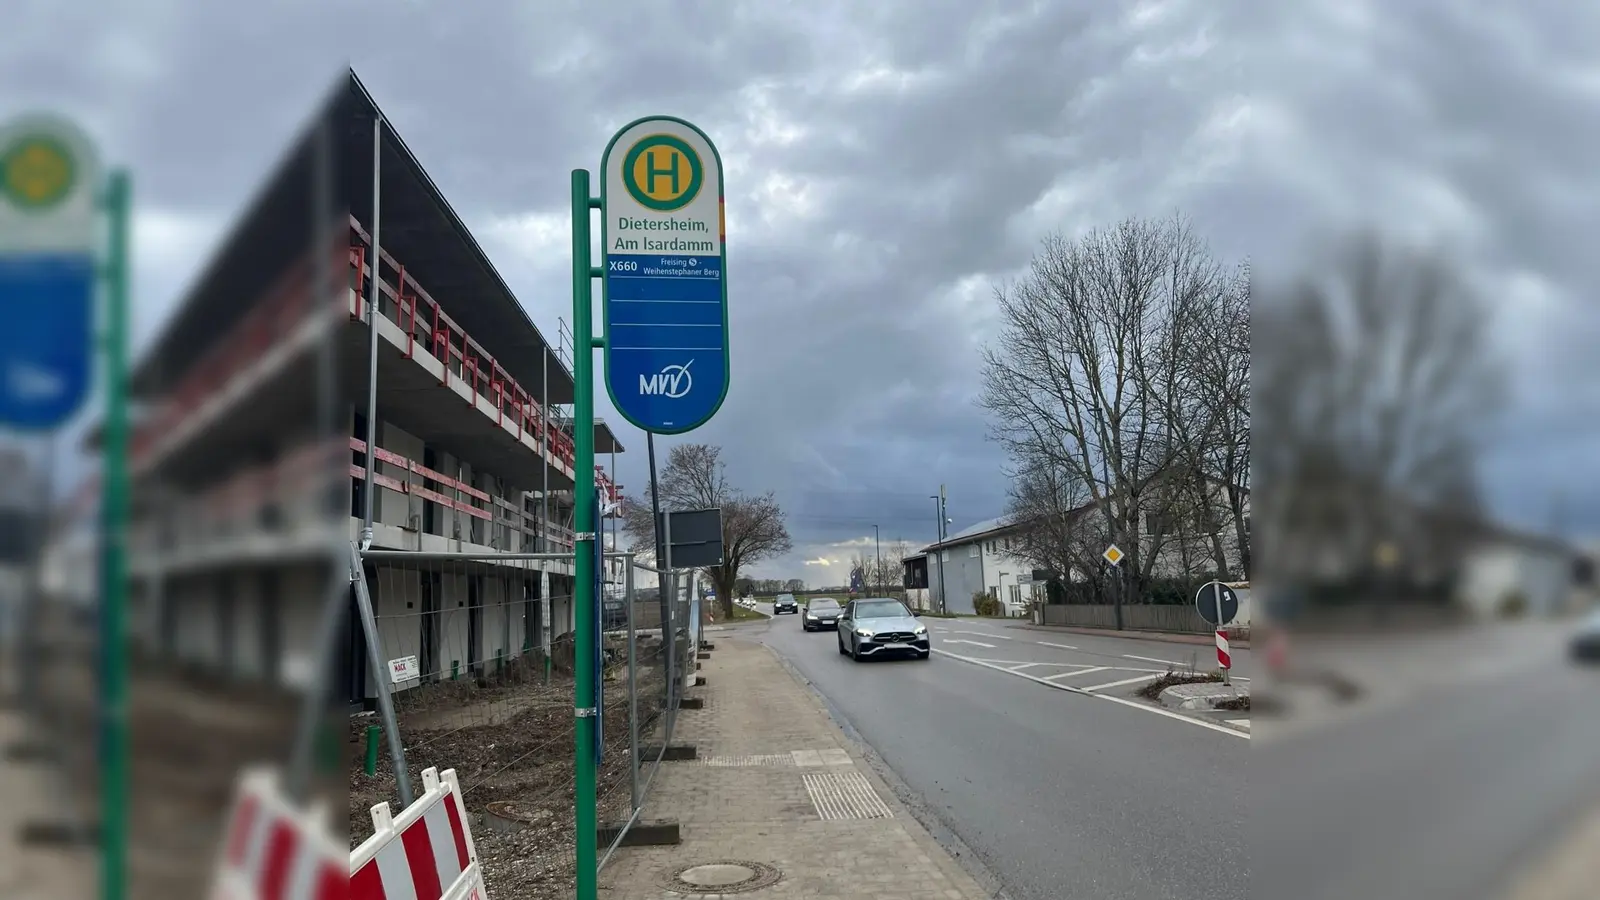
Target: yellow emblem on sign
<point x="1113" y="555"/>
<point x="662" y="172"/>
<point x="38" y="172"/>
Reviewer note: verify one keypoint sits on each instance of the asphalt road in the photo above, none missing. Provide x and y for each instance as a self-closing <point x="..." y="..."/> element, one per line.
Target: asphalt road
<point x="1446" y="784"/>
<point x="1061" y="795"/>
<point x="1442" y="796"/>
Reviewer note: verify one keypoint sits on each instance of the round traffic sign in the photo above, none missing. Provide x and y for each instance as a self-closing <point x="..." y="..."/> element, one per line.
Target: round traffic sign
<point x="1212" y="596"/>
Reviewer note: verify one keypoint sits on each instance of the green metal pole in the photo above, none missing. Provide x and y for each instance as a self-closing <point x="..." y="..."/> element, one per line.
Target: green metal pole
<point x="113" y="585"/>
<point x="583" y="637"/>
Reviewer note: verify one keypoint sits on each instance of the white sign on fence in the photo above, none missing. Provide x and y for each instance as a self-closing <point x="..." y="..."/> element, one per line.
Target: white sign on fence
<point x="404" y="669"/>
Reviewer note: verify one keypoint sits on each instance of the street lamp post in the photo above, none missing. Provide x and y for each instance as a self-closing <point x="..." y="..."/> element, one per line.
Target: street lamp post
<point x="938" y="501"/>
<point x="878" y="547"/>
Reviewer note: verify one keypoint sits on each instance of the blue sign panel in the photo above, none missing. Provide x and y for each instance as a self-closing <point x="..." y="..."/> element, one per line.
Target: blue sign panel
<point x="47" y="303"/>
<point x="48" y="257"/>
<point x="666" y="304"/>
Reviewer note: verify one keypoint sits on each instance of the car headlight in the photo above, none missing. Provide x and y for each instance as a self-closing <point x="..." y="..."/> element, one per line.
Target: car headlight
<point x="864" y="632"/>
<point x="810" y="616"/>
<point x="921" y="629"/>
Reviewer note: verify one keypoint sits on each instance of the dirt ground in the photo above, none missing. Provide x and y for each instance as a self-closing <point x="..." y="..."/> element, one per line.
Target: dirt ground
<point x="511" y="741"/>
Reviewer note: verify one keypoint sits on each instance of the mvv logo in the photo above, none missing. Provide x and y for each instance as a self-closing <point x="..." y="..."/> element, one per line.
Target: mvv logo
<point x="672" y="382"/>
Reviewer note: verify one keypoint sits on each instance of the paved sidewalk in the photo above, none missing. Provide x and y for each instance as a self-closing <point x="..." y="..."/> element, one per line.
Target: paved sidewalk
<point x="777" y="783"/>
<point x="34" y="872"/>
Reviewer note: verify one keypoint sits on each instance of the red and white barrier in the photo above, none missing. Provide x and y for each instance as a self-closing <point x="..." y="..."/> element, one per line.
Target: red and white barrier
<point x="424" y="853"/>
<point x="273" y="851"/>
<point x="1224" y="658"/>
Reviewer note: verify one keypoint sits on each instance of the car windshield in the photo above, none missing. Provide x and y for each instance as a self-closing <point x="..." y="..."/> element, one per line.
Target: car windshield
<point x="823" y="603"/>
<point x="785" y="598"/>
<point x="881" y="609"/>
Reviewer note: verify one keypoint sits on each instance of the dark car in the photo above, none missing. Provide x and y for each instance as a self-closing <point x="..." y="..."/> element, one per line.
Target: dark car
<point x="881" y="627"/>
<point x="821" y="612"/>
<point x="785" y="604"/>
<point x="1586" y="643"/>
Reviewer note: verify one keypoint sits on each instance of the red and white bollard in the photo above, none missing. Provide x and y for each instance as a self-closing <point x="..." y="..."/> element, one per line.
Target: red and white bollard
<point x="1224" y="658"/>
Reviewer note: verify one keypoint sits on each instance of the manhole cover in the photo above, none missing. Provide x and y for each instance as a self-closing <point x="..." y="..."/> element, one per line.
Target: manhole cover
<point x="727" y="876"/>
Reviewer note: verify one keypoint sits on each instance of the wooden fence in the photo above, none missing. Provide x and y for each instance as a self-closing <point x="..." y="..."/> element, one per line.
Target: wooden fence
<point x="1135" y="617"/>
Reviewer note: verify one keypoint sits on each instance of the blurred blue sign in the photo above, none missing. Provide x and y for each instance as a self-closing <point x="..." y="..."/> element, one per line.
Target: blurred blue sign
<point x="49" y="237"/>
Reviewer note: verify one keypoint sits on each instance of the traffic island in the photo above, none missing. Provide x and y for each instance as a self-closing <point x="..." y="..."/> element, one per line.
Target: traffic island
<point x="1205" y="695"/>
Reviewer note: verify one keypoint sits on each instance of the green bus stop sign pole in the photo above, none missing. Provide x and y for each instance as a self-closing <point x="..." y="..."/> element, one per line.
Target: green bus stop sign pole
<point x="114" y="524"/>
<point x="583" y="599"/>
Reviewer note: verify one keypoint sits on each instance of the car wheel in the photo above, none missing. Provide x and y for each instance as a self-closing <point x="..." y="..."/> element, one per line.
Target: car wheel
<point x="855" y="655"/>
<point x="925" y="654"/>
<point x="840" y="641"/>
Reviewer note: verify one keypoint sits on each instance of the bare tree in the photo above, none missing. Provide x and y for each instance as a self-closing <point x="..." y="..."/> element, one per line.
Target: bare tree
<point x="1091" y="386"/>
<point x="695" y="477"/>
<point x="1377" y="382"/>
<point x="794" y="586"/>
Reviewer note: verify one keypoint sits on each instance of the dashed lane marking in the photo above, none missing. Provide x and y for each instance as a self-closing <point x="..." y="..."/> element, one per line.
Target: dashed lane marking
<point x="973" y="643"/>
<point x="1079" y="672"/>
<point x="1223" y="729"/>
<point x="1164" y="662"/>
<point x="1124" y="682"/>
<point x="1057" y="646"/>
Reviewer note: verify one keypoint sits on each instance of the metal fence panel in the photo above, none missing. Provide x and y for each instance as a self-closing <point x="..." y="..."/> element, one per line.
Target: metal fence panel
<point x="477" y="660"/>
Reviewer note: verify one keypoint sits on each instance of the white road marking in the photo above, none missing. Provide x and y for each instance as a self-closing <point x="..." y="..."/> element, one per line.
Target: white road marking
<point x="1057" y="646"/>
<point x="1080" y="672"/>
<point x="1020" y="663"/>
<point x="1239" y="723"/>
<point x="1020" y="666"/>
<point x="1125" y="681"/>
<point x="988" y="634"/>
<point x="1075" y="690"/>
<point x="1164" y="662"/>
<point x="973" y="643"/>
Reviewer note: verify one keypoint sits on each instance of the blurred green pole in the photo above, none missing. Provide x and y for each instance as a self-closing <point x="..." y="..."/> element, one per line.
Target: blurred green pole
<point x="114" y="514"/>
<point x="583" y="599"/>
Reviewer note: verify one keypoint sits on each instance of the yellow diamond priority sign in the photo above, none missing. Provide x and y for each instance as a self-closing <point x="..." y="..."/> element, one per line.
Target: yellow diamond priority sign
<point x="1113" y="555"/>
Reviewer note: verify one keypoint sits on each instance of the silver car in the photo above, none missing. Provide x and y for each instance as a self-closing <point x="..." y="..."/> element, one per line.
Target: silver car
<point x="876" y="627"/>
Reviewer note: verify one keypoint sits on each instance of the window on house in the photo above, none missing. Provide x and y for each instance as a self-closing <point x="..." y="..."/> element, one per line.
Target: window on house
<point x="974" y="551"/>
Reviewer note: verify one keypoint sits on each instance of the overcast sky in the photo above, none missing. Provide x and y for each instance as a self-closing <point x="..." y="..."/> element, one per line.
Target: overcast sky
<point x="888" y="163"/>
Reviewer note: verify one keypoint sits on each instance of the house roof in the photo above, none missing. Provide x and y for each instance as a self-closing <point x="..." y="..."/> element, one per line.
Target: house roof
<point x="975" y="532"/>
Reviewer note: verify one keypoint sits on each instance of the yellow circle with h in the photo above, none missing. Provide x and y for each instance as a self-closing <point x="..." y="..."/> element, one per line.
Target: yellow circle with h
<point x="662" y="172"/>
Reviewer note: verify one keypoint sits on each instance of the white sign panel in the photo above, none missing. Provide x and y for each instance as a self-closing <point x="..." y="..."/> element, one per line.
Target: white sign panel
<point x="404" y="669"/>
<point x="49" y="173"/>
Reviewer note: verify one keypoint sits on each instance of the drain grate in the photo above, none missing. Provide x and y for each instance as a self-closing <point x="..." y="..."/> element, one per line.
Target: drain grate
<point x="722" y="877"/>
<point x="845" y="795"/>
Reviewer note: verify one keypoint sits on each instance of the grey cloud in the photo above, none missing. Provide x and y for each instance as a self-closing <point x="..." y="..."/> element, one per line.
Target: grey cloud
<point x="855" y="346"/>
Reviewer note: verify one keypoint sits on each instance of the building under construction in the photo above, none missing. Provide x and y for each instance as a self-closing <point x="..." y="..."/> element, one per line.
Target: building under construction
<point x="250" y="451"/>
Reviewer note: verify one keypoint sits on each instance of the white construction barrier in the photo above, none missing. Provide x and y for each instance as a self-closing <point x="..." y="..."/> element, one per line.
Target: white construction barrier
<point x="425" y="853"/>
<point x="273" y="851"/>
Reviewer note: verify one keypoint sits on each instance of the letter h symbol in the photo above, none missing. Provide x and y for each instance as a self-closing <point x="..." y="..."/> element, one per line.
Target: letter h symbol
<point x="652" y="172"/>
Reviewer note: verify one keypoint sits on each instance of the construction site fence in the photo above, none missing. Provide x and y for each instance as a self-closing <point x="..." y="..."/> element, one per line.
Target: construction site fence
<point x="478" y="674"/>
